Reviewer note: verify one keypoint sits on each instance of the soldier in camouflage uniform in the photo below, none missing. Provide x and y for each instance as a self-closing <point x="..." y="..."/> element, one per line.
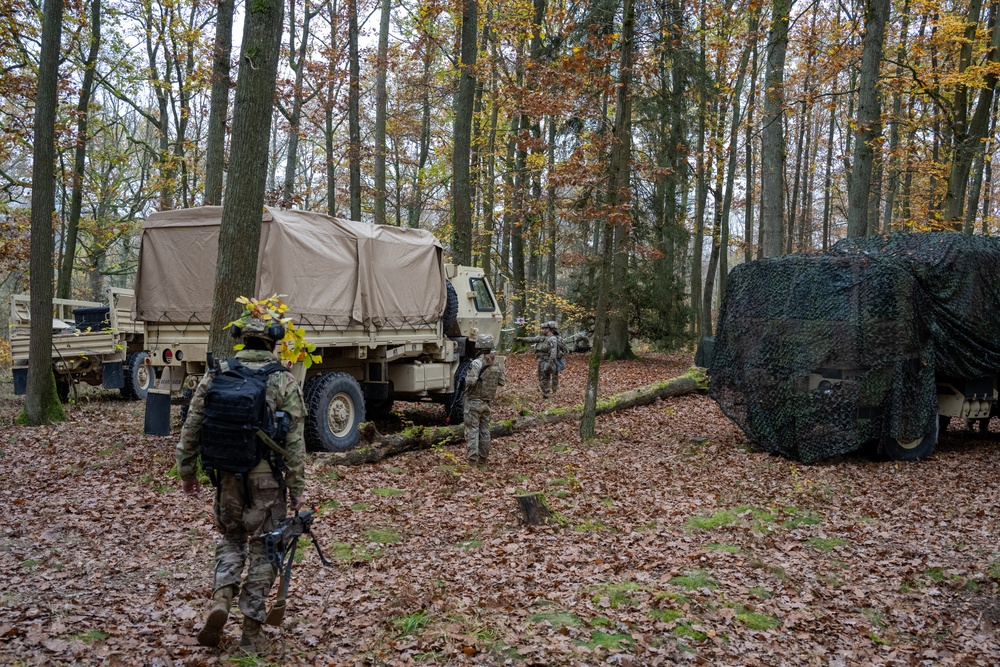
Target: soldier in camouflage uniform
<point x="481" y="382"/>
<point x="236" y="517"/>
<point x="547" y="354"/>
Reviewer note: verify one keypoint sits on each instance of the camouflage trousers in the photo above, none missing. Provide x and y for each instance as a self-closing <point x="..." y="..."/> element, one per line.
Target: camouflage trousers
<point x="238" y="521"/>
<point x="548" y="377"/>
<point x="477" y="428"/>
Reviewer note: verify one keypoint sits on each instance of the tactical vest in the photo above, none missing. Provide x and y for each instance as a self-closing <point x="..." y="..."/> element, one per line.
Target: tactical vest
<point x="486" y="387"/>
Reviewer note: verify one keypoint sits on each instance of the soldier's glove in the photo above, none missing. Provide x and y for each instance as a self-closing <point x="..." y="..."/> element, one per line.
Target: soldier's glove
<point x="191" y="486"/>
<point x="294" y="503"/>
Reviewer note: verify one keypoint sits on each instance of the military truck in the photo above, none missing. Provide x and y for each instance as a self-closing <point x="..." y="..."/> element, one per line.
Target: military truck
<point x="93" y="342"/>
<point x="391" y="320"/>
<point x="881" y="341"/>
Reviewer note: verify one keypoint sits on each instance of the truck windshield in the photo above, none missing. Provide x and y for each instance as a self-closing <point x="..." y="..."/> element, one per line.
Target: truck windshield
<point x="484" y="300"/>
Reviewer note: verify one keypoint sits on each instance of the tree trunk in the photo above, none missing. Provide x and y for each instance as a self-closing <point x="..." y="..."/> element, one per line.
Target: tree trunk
<point x="41" y="404"/>
<point x="381" y="111"/>
<point x="869" y="118"/>
<point x="534" y="511"/>
<point x="354" y="110"/>
<point x="772" y="166"/>
<point x="79" y="162"/>
<point x="240" y="229"/>
<point x="748" y="253"/>
<point x="296" y="62"/>
<point x="461" y="249"/>
<point x="618" y="211"/>
<point x="374" y="446"/>
<point x="219" y="104"/>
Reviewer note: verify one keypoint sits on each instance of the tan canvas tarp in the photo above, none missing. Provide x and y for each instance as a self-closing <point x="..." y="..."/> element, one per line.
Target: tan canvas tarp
<point x="334" y="272"/>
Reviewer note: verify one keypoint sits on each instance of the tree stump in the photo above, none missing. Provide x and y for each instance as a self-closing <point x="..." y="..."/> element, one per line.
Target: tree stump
<point x="534" y="511"/>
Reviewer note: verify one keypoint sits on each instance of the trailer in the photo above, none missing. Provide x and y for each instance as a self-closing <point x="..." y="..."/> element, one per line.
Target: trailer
<point x="93" y="342"/>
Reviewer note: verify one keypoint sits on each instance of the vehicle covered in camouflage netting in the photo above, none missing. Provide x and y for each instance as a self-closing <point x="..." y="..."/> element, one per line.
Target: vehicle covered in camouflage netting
<point x="821" y="354"/>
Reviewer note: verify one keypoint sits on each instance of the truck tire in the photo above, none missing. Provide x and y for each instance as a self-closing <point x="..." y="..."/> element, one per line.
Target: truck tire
<point x="895" y="449"/>
<point x="139" y="378"/>
<point x="449" y="318"/>
<point x="336" y="408"/>
<point x="455" y="407"/>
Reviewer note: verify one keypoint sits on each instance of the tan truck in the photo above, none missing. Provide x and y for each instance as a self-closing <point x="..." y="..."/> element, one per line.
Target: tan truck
<point x="97" y="343"/>
<point x="391" y="320"/>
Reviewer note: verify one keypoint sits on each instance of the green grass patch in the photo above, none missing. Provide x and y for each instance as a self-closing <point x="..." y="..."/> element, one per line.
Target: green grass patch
<point x="469" y="544"/>
<point x="328" y="505"/>
<point x="993" y="569"/>
<point x="679" y="598"/>
<point x="345" y="552"/>
<point x="602" y="622"/>
<point x="395" y="470"/>
<point x="388" y="491"/>
<point x="609" y="641"/>
<point x="665" y="615"/>
<point x="728" y="548"/>
<point x="647" y="526"/>
<point x="717" y="520"/>
<point x="825" y="544"/>
<point x="361" y="507"/>
<point x="756" y="621"/>
<point x="618" y="594"/>
<point x="911" y="586"/>
<point x="695" y="581"/>
<point x="383" y="535"/>
<point x="688" y="631"/>
<point x="558" y="619"/>
<point x="589" y="526"/>
<point x="411" y="623"/>
<point x="31" y="563"/>
<point x="90" y="637"/>
<point x="876" y="617"/>
<point x="761" y="592"/>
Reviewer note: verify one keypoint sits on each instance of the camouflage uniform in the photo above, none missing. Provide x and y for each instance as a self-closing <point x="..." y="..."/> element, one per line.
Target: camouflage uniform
<point x="236" y="518"/>
<point x="547" y="354"/>
<point x="481" y="382"/>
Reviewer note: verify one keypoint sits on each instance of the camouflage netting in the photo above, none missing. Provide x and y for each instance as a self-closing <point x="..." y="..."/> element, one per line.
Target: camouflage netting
<point x="817" y="355"/>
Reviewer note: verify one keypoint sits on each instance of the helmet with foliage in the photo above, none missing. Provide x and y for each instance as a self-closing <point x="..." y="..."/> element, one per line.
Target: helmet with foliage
<point x="268" y="319"/>
<point x="551" y="326"/>
<point x="484" y="342"/>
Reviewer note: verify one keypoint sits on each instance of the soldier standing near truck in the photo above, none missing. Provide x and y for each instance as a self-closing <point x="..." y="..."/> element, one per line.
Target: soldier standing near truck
<point x="253" y="503"/>
<point x="548" y="348"/>
<point x="481" y="382"/>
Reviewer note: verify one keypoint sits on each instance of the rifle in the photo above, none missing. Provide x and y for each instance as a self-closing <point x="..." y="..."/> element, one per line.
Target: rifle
<point x="279" y="548"/>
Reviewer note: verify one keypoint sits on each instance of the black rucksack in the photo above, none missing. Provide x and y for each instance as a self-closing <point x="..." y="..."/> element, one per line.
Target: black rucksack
<point x="235" y="409"/>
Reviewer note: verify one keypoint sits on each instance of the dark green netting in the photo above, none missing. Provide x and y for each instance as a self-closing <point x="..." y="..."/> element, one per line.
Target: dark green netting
<point x="817" y="355"/>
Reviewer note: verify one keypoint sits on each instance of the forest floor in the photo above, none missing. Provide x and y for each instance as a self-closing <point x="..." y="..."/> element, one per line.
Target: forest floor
<point x="680" y="544"/>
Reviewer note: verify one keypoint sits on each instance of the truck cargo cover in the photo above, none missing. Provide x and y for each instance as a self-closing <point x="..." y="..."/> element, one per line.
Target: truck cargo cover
<point x="335" y="272"/>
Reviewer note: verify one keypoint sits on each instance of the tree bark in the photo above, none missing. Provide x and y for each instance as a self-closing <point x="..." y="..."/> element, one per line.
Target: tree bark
<point x="240" y="229"/>
<point x="80" y="159"/>
<point x="375" y="446"/>
<point x="41" y="405"/>
<point x="869" y="118"/>
<point x="381" y="111"/>
<point x="461" y="249"/>
<point x="219" y="103"/>
<point x="772" y="181"/>
<point x="354" y="110"/>
<point x="534" y="511"/>
<point x="296" y="62"/>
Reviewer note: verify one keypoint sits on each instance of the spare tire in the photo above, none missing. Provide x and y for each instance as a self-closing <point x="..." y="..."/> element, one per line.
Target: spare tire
<point x="449" y="318"/>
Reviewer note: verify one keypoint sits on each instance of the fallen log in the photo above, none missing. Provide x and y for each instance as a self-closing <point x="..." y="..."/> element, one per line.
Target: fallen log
<point x="375" y="446"/>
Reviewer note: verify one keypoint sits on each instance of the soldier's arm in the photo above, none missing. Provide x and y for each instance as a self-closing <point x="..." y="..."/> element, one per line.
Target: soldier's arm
<point x="293" y="403"/>
<point x="553" y="351"/>
<point x="531" y="339"/>
<point x="472" y="375"/>
<point x="188" y="446"/>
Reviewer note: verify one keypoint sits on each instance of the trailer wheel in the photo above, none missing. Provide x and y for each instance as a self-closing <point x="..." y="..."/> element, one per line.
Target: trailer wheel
<point x="139" y="378"/>
<point x="450" y="315"/>
<point x="896" y="449"/>
<point x="336" y="408"/>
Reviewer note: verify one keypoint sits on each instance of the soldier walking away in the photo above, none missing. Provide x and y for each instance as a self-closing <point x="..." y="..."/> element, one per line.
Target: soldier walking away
<point x="252" y="466"/>
<point x="549" y="351"/>
<point x="481" y="382"/>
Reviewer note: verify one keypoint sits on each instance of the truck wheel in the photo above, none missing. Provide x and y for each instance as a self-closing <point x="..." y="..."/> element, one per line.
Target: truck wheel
<point x="139" y="378"/>
<point x="455" y="407"/>
<point x="62" y="388"/>
<point x="336" y="408"/>
<point x="896" y="449"/>
<point x="450" y="316"/>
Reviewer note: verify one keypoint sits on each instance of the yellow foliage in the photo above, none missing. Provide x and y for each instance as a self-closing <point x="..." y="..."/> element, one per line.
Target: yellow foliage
<point x="293" y="347"/>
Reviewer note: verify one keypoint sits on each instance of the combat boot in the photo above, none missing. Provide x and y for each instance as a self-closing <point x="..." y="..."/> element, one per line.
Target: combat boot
<point x="211" y="632"/>
<point x="253" y="641"/>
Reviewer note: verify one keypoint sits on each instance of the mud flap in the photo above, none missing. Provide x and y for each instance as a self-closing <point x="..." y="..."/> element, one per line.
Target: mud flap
<point x="157" y="413"/>
<point x="113" y="375"/>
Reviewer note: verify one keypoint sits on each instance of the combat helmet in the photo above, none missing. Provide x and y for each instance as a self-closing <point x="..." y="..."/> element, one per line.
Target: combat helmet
<point x="255" y="327"/>
<point x="551" y="326"/>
